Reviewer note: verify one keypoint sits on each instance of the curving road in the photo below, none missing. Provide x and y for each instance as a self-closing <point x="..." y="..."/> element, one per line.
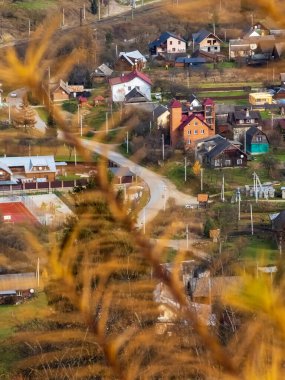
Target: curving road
<point x="161" y="189"/>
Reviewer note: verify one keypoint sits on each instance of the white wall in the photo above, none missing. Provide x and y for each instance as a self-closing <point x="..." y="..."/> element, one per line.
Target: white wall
<point x="120" y="90"/>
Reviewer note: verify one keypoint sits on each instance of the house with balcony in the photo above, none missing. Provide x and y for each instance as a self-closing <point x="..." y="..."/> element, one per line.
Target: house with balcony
<point x="206" y="41"/>
<point x="167" y="43"/>
<point x="186" y="128"/>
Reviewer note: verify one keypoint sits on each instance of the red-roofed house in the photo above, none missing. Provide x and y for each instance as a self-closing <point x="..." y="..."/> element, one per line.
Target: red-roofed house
<point x="122" y="85"/>
<point x="191" y="127"/>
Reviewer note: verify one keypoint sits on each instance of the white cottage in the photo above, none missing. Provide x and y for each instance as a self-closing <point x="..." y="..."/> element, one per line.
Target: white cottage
<point x="121" y="86"/>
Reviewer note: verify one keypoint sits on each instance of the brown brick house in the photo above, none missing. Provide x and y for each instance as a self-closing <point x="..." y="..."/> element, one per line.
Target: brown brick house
<point x="188" y="128"/>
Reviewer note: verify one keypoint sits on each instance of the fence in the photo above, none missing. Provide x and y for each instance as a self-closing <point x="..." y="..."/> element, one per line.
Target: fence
<point x="53" y="185"/>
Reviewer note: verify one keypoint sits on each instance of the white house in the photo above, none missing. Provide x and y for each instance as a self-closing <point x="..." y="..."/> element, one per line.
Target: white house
<point x="121" y="86"/>
<point x="167" y="43"/>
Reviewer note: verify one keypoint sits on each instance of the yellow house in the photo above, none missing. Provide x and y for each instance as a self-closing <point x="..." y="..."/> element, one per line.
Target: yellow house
<point x="260" y="98"/>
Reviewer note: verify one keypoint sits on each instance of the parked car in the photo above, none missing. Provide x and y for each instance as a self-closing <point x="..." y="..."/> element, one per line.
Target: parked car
<point x="189" y="205"/>
<point x="13" y="95"/>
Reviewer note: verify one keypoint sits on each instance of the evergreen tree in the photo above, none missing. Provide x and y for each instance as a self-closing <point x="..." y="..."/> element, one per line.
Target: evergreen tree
<point x="93" y="6"/>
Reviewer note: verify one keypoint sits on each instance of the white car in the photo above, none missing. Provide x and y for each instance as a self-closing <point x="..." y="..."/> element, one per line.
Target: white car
<point x="189" y="205"/>
<point x="13" y="95"/>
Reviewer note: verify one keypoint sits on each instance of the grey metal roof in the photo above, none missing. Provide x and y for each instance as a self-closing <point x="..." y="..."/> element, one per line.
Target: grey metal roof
<point x="28" y="162"/>
<point x="159" y="110"/>
<point x="278" y="224"/>
<point x="135" y="96"/>
<point x="163" y="38"/>
<point x="201" y="35"/>
<point x="219" y="148"/>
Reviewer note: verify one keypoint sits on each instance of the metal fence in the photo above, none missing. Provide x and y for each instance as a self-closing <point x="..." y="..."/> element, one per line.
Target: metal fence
<point x="53" y="185"/>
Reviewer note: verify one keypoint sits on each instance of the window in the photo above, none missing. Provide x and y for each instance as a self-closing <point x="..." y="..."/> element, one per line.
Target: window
<point x="189" y="132"/>
<point x="129" y="88"/>
<point x="202" y="131"/>
<point x="179" y="42"/>
<point x="217" y="162"/>
<point x="195" y="123"/>
<point x="258" y="139"/>
<point x="214" y="41"/>
<point x="216" y="47"/>
<point x="195" y="132"/>
<point x="228" y="162"/>
<point x="209" y="42"/>
<point x="173" y="49"/>
<point x="170" y="42"/>
<point x="239" y="161"/>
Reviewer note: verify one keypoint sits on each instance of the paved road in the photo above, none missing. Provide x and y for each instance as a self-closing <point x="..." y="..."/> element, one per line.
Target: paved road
<point x="182" y="245"/>
<point x="161" y="189"/>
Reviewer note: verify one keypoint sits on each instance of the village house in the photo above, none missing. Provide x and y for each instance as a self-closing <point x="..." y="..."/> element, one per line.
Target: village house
<point x="27" y="168"/>
<point x="206" y="41"/>
<point x="217" y="151"/>
<point x="129" y="61"/>
<point x="187" y="128"/>
<point x="64" y="91"/>
<point x="167" y="43"/>
<point x="121" y="86"/>
<point x="256" y="141"/>
<point x="257" y="30"/>
<point x="242" y="49"/>
<point x="260" y="98"/>
<point x="242" y="120"/>
<point x="101" y="72"/>
<point x="160" y="116"/>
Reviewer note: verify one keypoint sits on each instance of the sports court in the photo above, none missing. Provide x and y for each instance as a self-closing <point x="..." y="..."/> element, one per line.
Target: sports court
<point x="16" y="212"/>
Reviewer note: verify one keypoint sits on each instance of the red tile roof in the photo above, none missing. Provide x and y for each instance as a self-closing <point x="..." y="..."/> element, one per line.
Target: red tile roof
<point x="128" y="77"/>
<point x="175" y="104"/>
<point x="190" y="118"/>
<point x="208" y="102"/>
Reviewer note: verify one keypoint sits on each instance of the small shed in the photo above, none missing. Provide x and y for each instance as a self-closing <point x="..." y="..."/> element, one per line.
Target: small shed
<point x="203" y="200"/>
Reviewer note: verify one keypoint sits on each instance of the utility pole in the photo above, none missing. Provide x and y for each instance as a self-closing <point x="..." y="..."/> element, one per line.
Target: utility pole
<point x="127" y="142"/>
<point x="78" y="114"/>
<point x="38" y="272"/>
<point x="238" y="193"/>
<point x="185" y="169"/>
<point x="162" y="137"/>
<point x="62" y="17"/>
<point x="223" y="189"/>
<point x="9" y="113"/>
<point x="108" y="8"/>
<point x="29" y="27"/>
<point x="107" y="126"/>
<point x="75" y="157"/>
<point x="187" y="236"/>
<point x="251" y="219"/>
<point x="201" y="175"/>
<point x="84" y="12"/>
<point x="81" y="122"/>
<point x="99" y="10"/>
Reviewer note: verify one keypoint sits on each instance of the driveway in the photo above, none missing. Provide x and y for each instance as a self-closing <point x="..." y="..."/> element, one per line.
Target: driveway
<point x="161" y="189"/>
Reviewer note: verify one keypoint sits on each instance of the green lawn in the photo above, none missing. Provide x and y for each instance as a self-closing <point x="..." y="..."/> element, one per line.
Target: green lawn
<point x="263" y="251"/>
<point x="43" y="114"/>
<point x="10" y="317"/>
<point x="216" y="94"/>
<point x="35" y="4"/>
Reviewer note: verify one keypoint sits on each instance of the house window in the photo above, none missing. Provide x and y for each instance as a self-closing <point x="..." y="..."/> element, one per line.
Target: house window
<point x="173" y="49"/>
<point x="214" y="41"/>
<point x="179" y="42"/>
<point x="189" y="132"/>
<point x="202" y="131"/>
<point x="216" y="47"/>
<point x="189" y="141"/>
<point x="259" y="138"/>
<point x="195" y="123"/>
<point x="170" y="42"/>
<point x="217" y="162"/>
<point x="239" y="161"/>
<point x="228" y="162"/>
<point x="209" y="42"/>
<point x="195" y="132"/>
<point x="129" y="88"/>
